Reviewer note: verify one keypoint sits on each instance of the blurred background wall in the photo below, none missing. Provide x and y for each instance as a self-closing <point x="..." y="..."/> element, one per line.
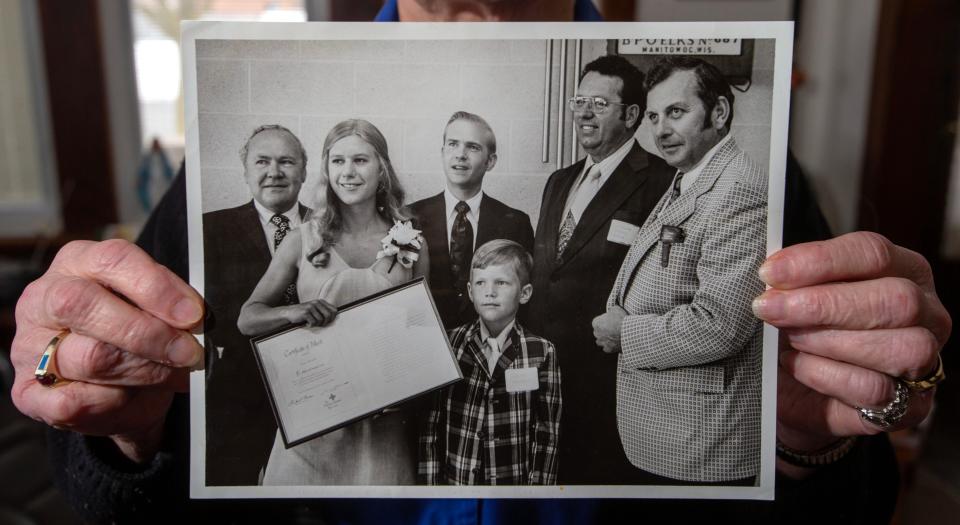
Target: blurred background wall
<point x="91" y="124"/>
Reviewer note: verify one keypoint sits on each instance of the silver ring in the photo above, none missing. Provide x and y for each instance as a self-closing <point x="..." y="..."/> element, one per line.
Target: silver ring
<point x="891" y="414"/>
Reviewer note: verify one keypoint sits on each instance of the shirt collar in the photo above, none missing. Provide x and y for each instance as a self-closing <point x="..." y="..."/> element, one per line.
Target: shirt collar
<point x="501" y="339"/>
<point x="583" y="11"/>
<point x="609" y="164"/>
<point x="451" y="202"/>
<point x="690" y="176"/>
<point x="265" y="215"/>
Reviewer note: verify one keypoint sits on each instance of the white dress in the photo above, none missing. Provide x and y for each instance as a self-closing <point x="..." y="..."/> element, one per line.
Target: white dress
<point x="379" y="450"/>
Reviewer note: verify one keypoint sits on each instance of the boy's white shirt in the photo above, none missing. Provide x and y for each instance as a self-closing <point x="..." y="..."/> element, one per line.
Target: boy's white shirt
<point x="496" y="344"/>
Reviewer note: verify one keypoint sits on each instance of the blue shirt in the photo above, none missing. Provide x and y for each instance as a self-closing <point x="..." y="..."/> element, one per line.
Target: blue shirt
<point x="470" y="512"/>
<point x="583" y="11"/>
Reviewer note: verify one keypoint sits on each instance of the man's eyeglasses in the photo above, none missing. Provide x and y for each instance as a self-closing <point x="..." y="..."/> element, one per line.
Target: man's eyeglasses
<point x="598" y="105"/>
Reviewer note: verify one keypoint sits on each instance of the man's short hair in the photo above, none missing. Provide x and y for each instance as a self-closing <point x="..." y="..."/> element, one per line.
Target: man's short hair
<point x="632" y="92"/>
<point x="711" y="84"/>
<point x="273" y="127"/>
<point x="476" y="119"/>
<point x="503" y="251"/>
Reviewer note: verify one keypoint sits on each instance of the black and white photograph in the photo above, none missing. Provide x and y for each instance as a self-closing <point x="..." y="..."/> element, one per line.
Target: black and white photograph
<point x="497" y="260"/>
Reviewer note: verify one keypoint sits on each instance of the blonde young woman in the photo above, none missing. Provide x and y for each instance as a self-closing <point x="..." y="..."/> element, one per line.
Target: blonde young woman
<point x="333" y="259"/>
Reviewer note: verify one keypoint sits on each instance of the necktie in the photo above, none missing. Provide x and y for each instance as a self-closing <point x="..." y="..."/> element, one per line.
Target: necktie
<point x="566" y="232"/>
<point x="585" y="191"/>
<point x="675" y="194"/>
<point x="491" y="350"/>
<point x="461" y="247"/>
<point x="283" y="226"/>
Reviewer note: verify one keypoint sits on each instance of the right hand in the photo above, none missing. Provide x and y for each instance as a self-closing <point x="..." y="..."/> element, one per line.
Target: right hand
<point x="315" y="313"/>
<point x="128" y="352"/>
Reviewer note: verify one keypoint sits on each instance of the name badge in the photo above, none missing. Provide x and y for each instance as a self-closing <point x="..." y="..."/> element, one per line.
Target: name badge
<point x="521" y="379"/>
<point x="622" y="232"/>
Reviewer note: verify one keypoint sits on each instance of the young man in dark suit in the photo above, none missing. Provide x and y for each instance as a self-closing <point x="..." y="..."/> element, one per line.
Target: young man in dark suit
<point x="463" y="217"/>
<point x="589" y="216"/>
<point x="238" y="245"/>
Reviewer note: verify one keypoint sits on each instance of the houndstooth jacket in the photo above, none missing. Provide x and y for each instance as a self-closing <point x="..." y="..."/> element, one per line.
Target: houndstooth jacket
<point x="688" y="378"/>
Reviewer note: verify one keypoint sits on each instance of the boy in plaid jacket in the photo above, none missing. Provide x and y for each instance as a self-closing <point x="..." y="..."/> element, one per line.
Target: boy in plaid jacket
<point x="500" y="425"/>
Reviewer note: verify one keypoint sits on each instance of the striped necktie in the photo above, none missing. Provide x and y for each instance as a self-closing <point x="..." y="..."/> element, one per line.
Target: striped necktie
<point x="461" y="247"/>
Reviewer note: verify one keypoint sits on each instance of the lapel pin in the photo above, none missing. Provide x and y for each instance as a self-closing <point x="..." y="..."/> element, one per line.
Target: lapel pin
<point x="669" y="235"/>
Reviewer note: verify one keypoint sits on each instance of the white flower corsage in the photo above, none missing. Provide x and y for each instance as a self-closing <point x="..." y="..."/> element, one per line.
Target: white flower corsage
<point x="403" y="243"/>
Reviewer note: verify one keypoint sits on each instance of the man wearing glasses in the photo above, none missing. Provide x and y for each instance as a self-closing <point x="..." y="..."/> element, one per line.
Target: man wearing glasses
<point x="590" y="214"/>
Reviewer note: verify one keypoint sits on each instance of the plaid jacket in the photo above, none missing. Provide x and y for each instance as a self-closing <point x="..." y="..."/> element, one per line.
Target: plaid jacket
<point x="477" y="433"/>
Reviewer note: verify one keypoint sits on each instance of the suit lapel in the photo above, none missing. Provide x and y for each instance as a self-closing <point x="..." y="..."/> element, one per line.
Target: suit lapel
<point x="624" y="181"/>
<point x="677" y="212"/>
<point x="436" y="230"/>
<point x="251" y="233"/>
<point x="552" y="217"/>
<point x="474" y="349"/>
<point x="486" y="226"/>
<point x="511" y="350"/>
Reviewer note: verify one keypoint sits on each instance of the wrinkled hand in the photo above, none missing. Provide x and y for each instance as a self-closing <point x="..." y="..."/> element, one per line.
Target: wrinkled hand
<point x="129" y="349"/>
<point x="315" y="313"/>
<point x="606" y="328"/>
<point x="854" y="313"/>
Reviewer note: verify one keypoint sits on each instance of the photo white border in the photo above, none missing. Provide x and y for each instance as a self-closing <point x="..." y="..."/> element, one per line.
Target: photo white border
<point x="782" y="32"/>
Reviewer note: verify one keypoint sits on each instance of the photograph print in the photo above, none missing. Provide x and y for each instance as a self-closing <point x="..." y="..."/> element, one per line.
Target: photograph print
<point x="484" y="260"/>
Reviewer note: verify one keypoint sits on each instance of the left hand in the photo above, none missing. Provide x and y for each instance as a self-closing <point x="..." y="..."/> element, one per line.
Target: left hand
<point x="855" y="313"/>
<point x="606" y="328"/>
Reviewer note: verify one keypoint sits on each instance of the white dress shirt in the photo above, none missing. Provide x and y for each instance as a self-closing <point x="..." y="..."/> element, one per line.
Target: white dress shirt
<point x="495" y="344"/>
<point x="583" y="191"/>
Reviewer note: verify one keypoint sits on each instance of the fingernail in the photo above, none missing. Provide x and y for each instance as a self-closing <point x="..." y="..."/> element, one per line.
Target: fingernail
<point x="771" y="272"/>
<point x="184" y="351"/>
<point x="187" y="311"/>
<point x="771" y="306"/>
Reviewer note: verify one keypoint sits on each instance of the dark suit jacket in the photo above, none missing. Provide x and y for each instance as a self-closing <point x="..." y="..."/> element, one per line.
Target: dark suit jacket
<point x="568" y="294"/>
<point x="497" y="221"/>
<point x="240" y="423"/>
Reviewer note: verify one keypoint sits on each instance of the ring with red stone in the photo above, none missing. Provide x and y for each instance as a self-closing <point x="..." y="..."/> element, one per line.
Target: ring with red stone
<point x="46" y="373"/>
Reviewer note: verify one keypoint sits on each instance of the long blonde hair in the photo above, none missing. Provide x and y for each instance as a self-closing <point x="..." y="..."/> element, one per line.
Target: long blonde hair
<point x="326" y="223"/>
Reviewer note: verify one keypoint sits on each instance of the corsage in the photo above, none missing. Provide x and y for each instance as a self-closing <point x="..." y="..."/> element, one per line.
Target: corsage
<point x="403" y="243"/>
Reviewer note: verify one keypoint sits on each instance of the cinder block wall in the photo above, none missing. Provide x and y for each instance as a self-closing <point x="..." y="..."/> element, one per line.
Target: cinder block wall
<point x="408" y="89"/>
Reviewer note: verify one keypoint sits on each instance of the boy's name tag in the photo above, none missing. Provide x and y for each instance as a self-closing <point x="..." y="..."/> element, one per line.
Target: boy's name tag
<point x="521" y="379"/>
<point x="622" y="232"/>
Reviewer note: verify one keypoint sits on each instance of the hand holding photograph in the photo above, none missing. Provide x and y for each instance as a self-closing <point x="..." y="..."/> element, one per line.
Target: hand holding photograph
<point x="484" y="260"/>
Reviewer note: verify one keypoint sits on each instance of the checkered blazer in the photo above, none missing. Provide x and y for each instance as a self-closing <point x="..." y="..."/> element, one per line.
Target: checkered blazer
<point x="477" y="433"/>
<point x="688" y="381"/>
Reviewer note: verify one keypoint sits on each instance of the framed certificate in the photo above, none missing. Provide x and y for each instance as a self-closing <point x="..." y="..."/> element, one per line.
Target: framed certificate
<point x="380" y="351"/>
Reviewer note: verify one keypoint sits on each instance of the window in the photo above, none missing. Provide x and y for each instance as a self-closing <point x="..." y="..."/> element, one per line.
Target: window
<point x="156" y="33"/>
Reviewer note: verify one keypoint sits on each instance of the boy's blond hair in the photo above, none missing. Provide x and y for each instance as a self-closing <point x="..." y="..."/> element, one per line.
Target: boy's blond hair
<point x="503" y="251"/>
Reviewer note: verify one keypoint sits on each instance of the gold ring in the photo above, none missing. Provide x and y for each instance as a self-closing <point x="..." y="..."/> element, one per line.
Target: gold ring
<point x="922" y="385"/>
<point x="47" y="373"/>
